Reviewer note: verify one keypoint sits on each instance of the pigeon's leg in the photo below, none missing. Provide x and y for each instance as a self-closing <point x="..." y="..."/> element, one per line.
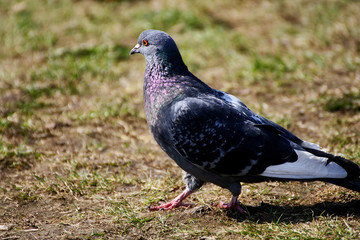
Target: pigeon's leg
<point x="192" y="184"/>
<point x="234" y="204"/>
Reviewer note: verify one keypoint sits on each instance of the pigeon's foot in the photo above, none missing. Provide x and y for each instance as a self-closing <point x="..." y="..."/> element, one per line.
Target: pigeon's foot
<point x="176" y="202"/>
<point x="170" y="205"/>
<point x="234" y="204"/>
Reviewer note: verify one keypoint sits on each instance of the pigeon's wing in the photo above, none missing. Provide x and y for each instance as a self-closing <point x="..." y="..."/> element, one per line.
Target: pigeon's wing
<point x="219" y="138"/>
<point x="216" y="137"/>
<point x="263" y="122"/>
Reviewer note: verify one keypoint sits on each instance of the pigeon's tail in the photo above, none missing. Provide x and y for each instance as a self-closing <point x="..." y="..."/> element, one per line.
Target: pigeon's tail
<point x="349" y="184"/>
<point x="352" y="169"/>
<point x="314" y="164"/>
<point x="352" y="180"/>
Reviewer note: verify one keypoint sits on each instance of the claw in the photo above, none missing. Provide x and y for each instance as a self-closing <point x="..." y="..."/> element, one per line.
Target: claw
<point x="234" y="204"/>
<point x="176" y="202"/>
<point x="169" y="206"/>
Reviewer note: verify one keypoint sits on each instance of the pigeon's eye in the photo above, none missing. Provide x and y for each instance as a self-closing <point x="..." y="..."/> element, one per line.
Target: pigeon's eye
<point x="145" y="42"/>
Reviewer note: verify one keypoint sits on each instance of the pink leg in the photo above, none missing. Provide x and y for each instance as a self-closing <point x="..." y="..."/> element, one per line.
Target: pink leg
<point x="176" y="202"/>
<point x="234" y="204"/>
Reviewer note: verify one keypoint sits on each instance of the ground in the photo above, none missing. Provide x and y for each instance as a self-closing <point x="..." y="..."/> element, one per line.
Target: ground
<point x="77" y="160"/>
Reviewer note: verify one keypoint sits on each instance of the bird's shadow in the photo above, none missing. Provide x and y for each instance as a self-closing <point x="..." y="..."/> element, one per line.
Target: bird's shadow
<point x="297" y="214"/>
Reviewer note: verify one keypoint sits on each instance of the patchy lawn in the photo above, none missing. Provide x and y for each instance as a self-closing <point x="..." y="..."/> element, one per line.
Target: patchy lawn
<point x="77" y="160"/>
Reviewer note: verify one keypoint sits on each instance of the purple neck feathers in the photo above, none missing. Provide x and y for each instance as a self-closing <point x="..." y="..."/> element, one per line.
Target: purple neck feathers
<point x="162" y="84"/>
<point x="166" y="81"/>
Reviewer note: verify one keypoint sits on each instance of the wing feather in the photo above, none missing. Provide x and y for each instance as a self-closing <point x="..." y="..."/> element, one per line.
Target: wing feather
<point x="217" y="137"/>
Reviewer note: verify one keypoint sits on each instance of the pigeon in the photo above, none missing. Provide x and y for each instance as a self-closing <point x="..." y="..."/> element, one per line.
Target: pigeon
<point x="214" y="137"/>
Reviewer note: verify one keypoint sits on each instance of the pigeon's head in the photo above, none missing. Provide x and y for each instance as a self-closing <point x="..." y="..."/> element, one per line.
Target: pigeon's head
<point x="155" y="44"/>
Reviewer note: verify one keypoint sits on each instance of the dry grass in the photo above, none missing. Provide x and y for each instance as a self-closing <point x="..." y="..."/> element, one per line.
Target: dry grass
<point x="77" y="160"/>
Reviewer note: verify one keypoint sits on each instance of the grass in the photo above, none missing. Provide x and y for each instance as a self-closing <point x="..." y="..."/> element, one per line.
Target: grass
<point x="77" y="160"/>
<point x="347" y="102"/>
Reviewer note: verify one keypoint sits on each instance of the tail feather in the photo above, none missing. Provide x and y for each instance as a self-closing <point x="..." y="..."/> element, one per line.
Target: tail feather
<point x="308" y="166"/>
<point x="352" y="169"/>
<point x="352" y="181"/>
<point x="349" y="184"/>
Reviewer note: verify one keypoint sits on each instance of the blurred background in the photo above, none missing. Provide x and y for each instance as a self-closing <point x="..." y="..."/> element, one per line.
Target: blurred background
<point x="76" y="156"/>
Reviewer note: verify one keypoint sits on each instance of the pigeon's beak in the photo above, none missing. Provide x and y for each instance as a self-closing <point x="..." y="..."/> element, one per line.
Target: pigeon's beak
<point x="135" y="49"/>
